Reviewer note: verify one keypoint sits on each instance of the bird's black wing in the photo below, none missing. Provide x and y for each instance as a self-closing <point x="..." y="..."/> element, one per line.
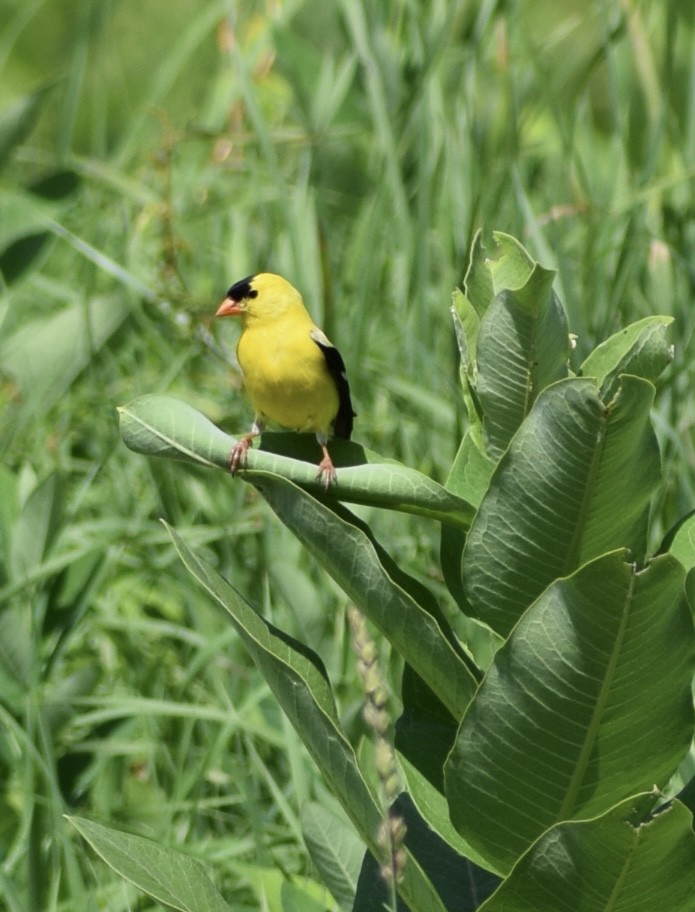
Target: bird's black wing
<point x="342" y="424"/>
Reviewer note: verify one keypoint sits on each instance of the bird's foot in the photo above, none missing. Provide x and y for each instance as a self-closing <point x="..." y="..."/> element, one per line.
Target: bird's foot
<point x="327" y="474"/>
<point x="238" y="455"/>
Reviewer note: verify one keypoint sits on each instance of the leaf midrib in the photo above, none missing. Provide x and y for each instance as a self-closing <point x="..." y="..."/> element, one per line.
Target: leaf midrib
<point x="572" y="553"/>
<point x="570" y="800"/>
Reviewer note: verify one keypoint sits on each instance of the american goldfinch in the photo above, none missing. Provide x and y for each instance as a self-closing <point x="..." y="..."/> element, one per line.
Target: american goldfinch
<point x="292" y="373"/>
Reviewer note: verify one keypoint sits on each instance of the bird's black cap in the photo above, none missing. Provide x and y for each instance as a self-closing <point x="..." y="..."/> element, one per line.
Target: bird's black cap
<point x="241" y="290"/>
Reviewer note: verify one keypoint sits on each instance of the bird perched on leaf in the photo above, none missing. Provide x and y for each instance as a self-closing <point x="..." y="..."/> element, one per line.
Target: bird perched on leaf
<point x="293" y="375"/>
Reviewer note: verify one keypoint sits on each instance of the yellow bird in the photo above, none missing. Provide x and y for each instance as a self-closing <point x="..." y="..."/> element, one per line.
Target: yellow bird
<point x="292" y="373"/>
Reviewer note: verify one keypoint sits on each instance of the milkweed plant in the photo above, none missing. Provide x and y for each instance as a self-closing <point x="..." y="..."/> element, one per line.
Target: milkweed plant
<point x="542" y="758"/>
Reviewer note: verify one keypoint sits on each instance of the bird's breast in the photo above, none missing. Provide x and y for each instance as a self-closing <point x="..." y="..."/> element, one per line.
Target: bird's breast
<point x="286" y="377"/>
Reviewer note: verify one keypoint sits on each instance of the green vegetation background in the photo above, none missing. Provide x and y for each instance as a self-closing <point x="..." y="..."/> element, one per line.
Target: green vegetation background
<point x="151" y="154"/>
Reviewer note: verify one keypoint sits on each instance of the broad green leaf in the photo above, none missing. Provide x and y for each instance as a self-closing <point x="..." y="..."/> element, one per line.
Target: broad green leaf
<point x="168" y="876"/>
<point x="466" y="325"/>
<point x="587" y="702"/>
<point x="335" y="850"/>
<point x="466" y="328"/>
<point x="523" y="346"/>
<point x="451" y="544"/>
<point x="166" y="427"/>
<point x="512" y="336"/>
<point x="477" y="284"/>
<point x="609" y="863"/>
<point x="510" y="264"/>
<point x="412" y="624"/>
<point x="506" y="266"/>
<point x="574" y="483"/>
<point x="171" y="429"/>
<point x="434" y="810"/>
<point x="681" y="542"/>
<point x="297" y="679"/>
<point x="470" y="472"/>
<point x="641" y="349"/>
<point x="281" y="658"/>
<point x="469" y="476"/>
<point x="682" y="783"/>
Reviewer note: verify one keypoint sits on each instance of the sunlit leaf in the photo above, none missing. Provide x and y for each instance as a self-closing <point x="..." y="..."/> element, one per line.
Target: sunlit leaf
<point x="641" y="349"/>
<point x="574" y="483"/>
<point x="611" y="862"/>
<point x="401" y="609"/>
<point x="595" y="674"/>
<point x="168" y="876"/>
<point x="335" y="850"/>
<point x="167" y="427"/>
<point x="297" y="678"/>
<point x="523" y="347"/>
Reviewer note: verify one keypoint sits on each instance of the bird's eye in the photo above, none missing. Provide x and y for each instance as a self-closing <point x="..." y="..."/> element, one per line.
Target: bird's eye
<point x="252" y="293"/>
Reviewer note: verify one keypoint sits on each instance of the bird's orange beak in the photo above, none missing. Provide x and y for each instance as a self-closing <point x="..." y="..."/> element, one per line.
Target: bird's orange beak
<point x="229" y="308"/>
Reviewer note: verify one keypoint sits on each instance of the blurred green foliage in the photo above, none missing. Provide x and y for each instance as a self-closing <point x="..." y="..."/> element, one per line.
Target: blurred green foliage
<point x="152" y="153"/>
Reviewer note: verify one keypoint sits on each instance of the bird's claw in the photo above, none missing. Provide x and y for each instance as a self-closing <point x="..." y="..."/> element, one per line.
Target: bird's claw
<point x="238" y="456"/>
<point x="327" y="474"/>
